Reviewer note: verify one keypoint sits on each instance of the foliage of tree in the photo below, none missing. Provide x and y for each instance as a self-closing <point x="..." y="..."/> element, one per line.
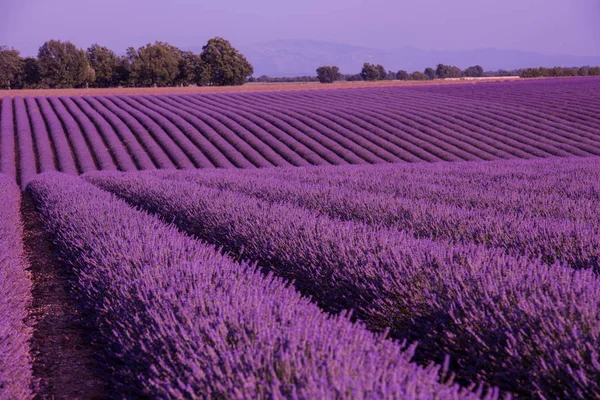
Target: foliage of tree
<point x="284" y="79"/>
<point x="558" y="72"/>
<point x="105" y="63"/>
<point x="418" y="76"/>
<point x="11" y="67"/>
<point x="123" y="72"/>
<point x="382" y="72"/>
<point x="31" y="74"/>
<point x="62" y="65"/>
<point x="390" y="76"/>
<point x="353" y="77"/>
<point x="402" y="75"/>
<point x="154" y="64"/>
<point x="448" y="71"/>
<point x="502" y="72"/>
<point x="223" y="65"/>
<point x="530" y="73"/>
<point x="328" y="74"/>
<point x="371" y="72"/>
<point x="475" y="71"/>
<point x="430" y="73"/>
<point x="190" y="69"/>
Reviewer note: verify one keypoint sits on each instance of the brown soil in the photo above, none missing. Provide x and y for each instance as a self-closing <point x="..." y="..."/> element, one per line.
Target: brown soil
<point x="249" y="87"/>
<point x="64" y="358"/>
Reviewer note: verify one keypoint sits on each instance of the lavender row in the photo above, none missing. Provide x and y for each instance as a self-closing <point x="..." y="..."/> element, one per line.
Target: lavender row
<point x="281" y="154"/>
<point x="573" y="242"/>
<point x="84" y="154"/>
<point x="64" y="152"/>
<point x="42" y="142"/>
<point x="501" y="319"/>
<point x="554" y="188"/>
<point x="7" y="139"/>
<point x="201" y="151"/>
<point x="131" y="155"/>
<point x="355" y="126"/>
<point x="182" y="321"/>
<point x="16" y="377"/>
<point x="500" y="122"/>
<point x="167" y="151"/>
<point x="25" y="149"/>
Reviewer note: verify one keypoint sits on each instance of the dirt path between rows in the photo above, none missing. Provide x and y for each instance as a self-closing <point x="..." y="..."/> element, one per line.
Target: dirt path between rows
<point x="65" y="361"/>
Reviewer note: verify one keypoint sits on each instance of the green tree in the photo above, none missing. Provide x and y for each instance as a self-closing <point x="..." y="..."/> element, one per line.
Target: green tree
<point x="447" y="71"/>
<point x="583" y="71"/>
<point x="430" y="73"/>
<point x="105" y="63"/>
<point x="62" y="65"/>
<point x="154" y="64"/>
<point x="223" y="65"/>
<point x="354" y="77"/>
<point x="125" y="74"/>
<point x="402" y="75"/>
<point x="418" y="76"/>
<point x="594" y="71"/>
<point x="382" y="72"/>
<point x="11" y="68"/>
<point x="328" y="74"/>
<point x="530" y="73"/>
<point x="31" y="74"/>
<point x="190" y="69"/>
<point x="371" y="72"/>
<point x="475" y="71"/>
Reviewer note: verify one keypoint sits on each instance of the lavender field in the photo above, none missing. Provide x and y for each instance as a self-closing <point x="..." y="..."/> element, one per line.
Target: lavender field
<point x="464" y="122"/>
<point x="435" y="242"/>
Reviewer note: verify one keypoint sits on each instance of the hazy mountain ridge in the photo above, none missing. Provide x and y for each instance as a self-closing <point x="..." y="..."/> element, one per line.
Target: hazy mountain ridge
<point x="302" y="57"/>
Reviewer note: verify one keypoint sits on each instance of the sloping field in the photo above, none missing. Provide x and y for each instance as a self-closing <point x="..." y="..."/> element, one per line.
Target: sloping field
<point x="485" y="121"/>
<point x="163" y="261"/>
<point x="485" y="271"/>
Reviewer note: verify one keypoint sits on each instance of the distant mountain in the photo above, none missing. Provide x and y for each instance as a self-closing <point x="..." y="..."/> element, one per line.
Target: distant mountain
<point x="302" y="57"/>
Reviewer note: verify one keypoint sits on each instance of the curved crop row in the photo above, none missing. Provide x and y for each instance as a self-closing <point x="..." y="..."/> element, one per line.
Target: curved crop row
<point x="16" y="377"/>
<point x="487" y="121"/>
<point x="183" y="321"/>
<point x="573" y="242"/>
<point x="501" y="319"/>
<point x="8" y="162"/>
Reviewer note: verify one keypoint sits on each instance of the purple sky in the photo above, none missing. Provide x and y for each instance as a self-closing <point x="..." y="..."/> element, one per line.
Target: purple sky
<point x="546" y="26"/>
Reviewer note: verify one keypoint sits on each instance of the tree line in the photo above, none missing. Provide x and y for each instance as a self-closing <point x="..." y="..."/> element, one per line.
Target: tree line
<point x="63" y="65"/>
<point x="559" y="71"/>
<point x="372" y="72"/>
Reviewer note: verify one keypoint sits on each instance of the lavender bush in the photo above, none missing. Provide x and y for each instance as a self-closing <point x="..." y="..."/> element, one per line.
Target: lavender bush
<point x="182" y="321"/>
<point x="529" y="328"/>
<point x="16" y="377"/>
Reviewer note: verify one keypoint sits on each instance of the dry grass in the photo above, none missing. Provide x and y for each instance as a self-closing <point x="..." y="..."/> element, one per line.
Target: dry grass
<point x="249" y="87"/>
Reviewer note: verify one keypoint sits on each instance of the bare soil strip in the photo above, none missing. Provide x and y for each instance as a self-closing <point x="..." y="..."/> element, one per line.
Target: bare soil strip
<point x="65" y="361"/>
<point x="248" y="87"/>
